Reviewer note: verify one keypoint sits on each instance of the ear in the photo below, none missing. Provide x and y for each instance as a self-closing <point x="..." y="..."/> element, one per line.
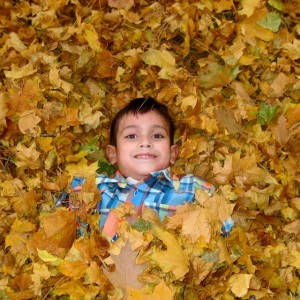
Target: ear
<point x="174" y="153"/>
<point x="111" y="153"/>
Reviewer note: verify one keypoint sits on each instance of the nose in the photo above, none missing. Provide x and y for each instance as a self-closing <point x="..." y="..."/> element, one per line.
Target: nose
<point x="145" y="143"/>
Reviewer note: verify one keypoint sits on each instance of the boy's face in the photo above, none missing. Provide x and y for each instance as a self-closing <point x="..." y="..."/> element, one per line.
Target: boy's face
<point x="143" y="145"/>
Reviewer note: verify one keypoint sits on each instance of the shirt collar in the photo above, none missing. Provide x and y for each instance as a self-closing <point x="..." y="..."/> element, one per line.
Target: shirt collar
<point x="160" y="175"/>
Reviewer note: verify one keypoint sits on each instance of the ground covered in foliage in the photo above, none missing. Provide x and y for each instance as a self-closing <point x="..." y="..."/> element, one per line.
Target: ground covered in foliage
<point x="229" y="72"/>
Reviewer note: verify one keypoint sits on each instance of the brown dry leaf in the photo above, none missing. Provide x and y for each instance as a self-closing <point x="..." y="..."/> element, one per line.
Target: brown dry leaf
<point x="293" y="227"/>
<point x="281" y="83"/>
<point x="27" y="204"/>
<point x="215" y="75"/>
<point x="226" y="119"/>
<point x="57" y="233"/>
<point x="293" y="49"/>
<point x="121" y="4"/>
<point x="293" y="114"/>
<point x="280" y="131"/>
<point x="127" y="270"/>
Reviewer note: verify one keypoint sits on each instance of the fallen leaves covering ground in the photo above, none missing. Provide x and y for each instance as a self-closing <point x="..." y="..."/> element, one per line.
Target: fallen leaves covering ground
<point x="229" y="72"/>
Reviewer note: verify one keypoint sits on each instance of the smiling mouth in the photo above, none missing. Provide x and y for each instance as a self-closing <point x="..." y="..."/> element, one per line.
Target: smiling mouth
<point x="144" y="156"/>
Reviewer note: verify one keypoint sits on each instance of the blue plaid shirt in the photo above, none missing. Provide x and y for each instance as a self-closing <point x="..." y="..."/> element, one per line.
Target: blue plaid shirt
<point x="159" y="191"/>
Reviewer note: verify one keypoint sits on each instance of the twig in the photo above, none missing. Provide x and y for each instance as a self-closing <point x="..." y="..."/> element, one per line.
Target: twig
<point x="52" y="288"/>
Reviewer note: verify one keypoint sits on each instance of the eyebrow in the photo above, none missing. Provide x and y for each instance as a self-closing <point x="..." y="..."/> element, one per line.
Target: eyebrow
<point x="137" y="126"/>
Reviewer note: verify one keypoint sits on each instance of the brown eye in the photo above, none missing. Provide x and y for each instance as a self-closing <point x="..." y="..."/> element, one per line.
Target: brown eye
<point x="158" y="136"/>
<point x="130" y="136"/>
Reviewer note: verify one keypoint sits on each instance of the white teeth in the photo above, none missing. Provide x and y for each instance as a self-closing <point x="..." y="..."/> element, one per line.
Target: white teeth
<point x="145" y="156"/>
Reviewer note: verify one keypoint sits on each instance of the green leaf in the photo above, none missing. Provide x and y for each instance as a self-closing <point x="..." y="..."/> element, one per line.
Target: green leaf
<point x="276" y="4"/>
<point x="235" y="72"/>
<point x="210" y="256"/>
<point x="3" y="295"/>
<point x="106" y="167"/>
<point x="91" y="147"/>
<point x="266" y="113"/>
<point x="272" y="21"/>
<point x="141" y="225"/>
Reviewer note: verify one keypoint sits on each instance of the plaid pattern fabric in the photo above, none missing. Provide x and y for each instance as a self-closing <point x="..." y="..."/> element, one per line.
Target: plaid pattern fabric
<point x="159" y="191"/>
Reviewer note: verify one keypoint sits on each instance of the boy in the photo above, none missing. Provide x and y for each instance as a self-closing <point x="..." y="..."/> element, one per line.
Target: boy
<point x="142" y="147"/>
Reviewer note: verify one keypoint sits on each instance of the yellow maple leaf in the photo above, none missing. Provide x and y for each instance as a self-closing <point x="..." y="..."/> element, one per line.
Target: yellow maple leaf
<point x="223" y="172"/>
<point x="173" y="259"/>
<point x="89" y="117"/>
<point x="239" y="284"/>
<point x="3" y="109"/>
<point x="27" y="157"/>
<point x="76" y="290"/>
<point x="94" y="274"/>
<point x="91" y="36"/>
<point x="82" y="169"/>
<point x="45" y="143"/>
<point x="248" y="7"/>
<point x="160" y="291"/>
<point x="219" y="207"/>
<point x="188" y="101"/>
<point x="20" y="72"/>
<point x="198" y="223"/>
<point x="185" y="27"/>
<point x="17" y="238"/>
<point x="17" y="242"/>
<point x="164" y="59"/>
<point x="73" y="269"/>
<point x="15" y="42"/>
<point x="47" y="257"/>
<point x="222" y="5"/>
<point x="40" y="273"/>
<point x="295" y="259"/>
<point x="209" y="124"/>
<point x="57" y="82"/>
<point x="7" y="189"/>
<point x="76" y="157"/>
<point x="251" y="30"/>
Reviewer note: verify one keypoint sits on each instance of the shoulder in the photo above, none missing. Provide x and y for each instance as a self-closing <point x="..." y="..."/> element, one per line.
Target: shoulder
<point x="195" y="181"/>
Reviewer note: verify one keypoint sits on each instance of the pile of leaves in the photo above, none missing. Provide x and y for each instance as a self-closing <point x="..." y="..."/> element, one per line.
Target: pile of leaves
<point x="229" y="72"/>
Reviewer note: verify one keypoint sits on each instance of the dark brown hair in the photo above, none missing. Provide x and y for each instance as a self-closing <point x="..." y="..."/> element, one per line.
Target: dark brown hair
<point x="141" y="106"/>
